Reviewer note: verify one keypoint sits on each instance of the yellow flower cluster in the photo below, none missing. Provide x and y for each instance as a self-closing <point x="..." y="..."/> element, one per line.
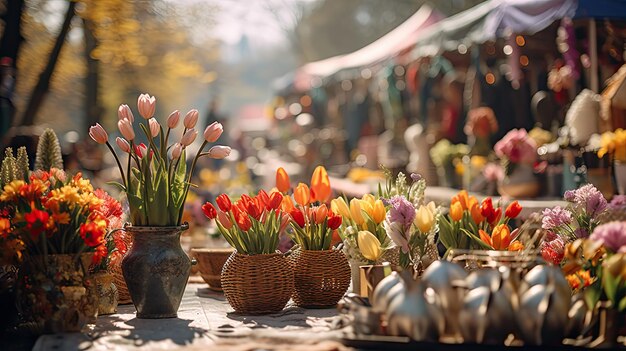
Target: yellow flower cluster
<point x="614" y="144"/>
<point x="12" y="191"/>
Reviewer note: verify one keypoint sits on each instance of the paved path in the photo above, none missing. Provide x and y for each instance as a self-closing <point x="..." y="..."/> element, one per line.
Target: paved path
<point x="205" y="320"/>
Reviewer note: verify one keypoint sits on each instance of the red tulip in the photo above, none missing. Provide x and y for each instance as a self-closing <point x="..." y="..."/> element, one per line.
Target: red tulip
<point x="209" y="210"/>
<point x="275" y="200"/>
<point x="223" y="202"/>
<point x="334" y="221"/>
<point x="244" y="222"/>
<point x="298" y="217"/>
<point x="513" y="210"/>
<point x="265" y="199"/>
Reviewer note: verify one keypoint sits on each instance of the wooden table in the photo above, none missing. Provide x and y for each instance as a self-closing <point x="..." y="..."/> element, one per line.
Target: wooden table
<point x="205" y="322"/>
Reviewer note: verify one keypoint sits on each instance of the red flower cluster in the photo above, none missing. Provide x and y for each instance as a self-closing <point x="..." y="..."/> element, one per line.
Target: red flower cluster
<point x="38" y="222"/>
<point x="244" y="209"/>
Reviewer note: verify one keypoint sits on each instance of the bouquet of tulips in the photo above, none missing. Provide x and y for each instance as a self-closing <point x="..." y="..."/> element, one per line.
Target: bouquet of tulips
<point x="251" y="224"/>
<point x="313" y="224"/>
<point x="471" y="225"/>
<point x="157" y="185"/>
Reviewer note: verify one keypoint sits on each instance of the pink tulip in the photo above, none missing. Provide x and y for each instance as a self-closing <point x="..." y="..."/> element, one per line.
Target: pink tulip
<point x="219" y="152"/>
<point x="213" y="132"/>
<point x="98" y="134"/>
<point x="222" y="217"/>
<point x="177" y="149"/>
<point x="155" y="127"/>
<point x="122" y="144"/>
<point x="172" y="120"/>
<point x="146" y="105"/>
<point x="191" y="118"/>
<point x="189" y="137"/>
<point x="124" y="112"/>
<point x="126" y="128"/>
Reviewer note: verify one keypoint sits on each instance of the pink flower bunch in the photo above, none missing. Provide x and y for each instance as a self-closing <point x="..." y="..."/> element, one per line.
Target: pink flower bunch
<point x="612" y="235"/>
<point x="517" y="147"/>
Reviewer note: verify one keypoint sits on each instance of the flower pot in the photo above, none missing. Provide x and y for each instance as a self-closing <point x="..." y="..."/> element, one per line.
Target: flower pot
<point x="210" y="264"/>
<point x="107" y="293"/>
<point x="321" y="278"/>
<point x="257" y="284"/>
<point x="156" y="270"/>
<point x="620" y="177"/>
<point x="355" y="275"/>
<point x="521" y="183"/>
<point x="56" y="293"/>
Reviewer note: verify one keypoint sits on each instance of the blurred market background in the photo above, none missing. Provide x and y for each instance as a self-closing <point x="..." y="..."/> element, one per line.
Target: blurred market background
<point x="349" y="84"/>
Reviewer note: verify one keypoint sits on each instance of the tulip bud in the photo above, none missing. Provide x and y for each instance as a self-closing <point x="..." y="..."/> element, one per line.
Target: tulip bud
<point x="189" y="137"/>
<point x="424" y="219"/>
<point x="141" y="150"/>
<point x="320" y="214"/>
<point x="513" y="210"/>
<point x="456" y="211"/>
<point x="209" y="210"/>
<point x="298" y="217"/>
<point x="369" y="245"/>
<point x="340" y="206"/>
<point x="191" y="118"/>
<point x="379" y="211"/>
<point x="155" y="127"/>
<point x="177" y="150"/>
<point x="219" y="152"/>
<point x="224" y="220"/>
<point x="355" y="211"/>
<point x="275" y="200"/>
<point x="146" y="105"/>
<point x="172" y="119"/>
<point x="334" y="221"/>
<point x="98" y="134"/>
<point x="126" y="129"/>
<point x="320" y="184"/>
<point x="213" y="132"/>
<point x="122" y="144"/>
<point x="282" y="180"/>
<point x="124" y="112"/>
<point x="302" y="194"/>
<point x="287" y="204"/>
<point x="369" y="198"/>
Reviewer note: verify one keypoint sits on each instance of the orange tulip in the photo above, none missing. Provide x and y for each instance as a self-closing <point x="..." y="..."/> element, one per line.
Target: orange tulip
<point x="501" y="237"/>
<point x="287" y="205"/>
<point x="463" y="199"/>
<point x="282" y="180"/>
<point x="456" y="211"/>
<point x="485" y="237"/>
<point x="516" y="246"/>
<point x="320" y="214"/>
<point x="471" y="201"/>
<point x="475" y="212"/>
<point x="302" y="194"/>
<point x="320" y="185"/>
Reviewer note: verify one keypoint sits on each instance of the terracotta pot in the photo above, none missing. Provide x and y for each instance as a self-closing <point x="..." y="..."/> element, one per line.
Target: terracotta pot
<point x="156" y="270"/>
<point x="321" y="278"/>
<point x="257" y="284"/>
<point x="210" y="263"/>
<point x="56" y="293"/>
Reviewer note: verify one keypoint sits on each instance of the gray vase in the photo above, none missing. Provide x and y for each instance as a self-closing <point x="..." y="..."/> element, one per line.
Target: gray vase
<point x="156" y="270"/>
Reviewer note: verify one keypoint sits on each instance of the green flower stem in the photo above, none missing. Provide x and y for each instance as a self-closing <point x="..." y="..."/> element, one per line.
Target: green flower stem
<point x="193" y="165"/>
<point x="117" y="160"/>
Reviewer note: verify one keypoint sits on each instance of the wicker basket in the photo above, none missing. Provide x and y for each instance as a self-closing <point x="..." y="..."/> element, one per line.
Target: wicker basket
<point x="116" y="270"/>
<point x="321" y="277"/>
<point x="257" y="284"/>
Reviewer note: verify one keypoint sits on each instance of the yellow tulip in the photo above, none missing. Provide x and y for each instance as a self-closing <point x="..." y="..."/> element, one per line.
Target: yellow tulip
<point x="615" y="265"/>
<point x="456" y="211"/>
<point x="432" y="207"/>
<point x="379" y="211"/>
<point x="424" y="219"/>
<point x="340" y="207"/>
<point x="369" y="198"/>
<point x="369" y="245"/>
<point x="367" y="208"/>
<point x="355" y="211"/>
<point x="302" y="194"/>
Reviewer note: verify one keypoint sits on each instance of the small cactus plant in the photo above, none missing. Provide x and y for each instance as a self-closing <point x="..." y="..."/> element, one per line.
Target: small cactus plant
<point x="48" y="152"/>
<point x="14" y="168"/>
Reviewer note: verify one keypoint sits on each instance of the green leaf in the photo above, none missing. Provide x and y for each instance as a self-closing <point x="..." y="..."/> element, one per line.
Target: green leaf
<point x="118" y="185"/>
<point x="592" y="294"/>
<point x="476" y="239"/>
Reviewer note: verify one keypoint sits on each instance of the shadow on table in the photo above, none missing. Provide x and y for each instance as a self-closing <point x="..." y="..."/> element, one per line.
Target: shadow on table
<point x="177" y="330"/>
<point x="289" y="317"/>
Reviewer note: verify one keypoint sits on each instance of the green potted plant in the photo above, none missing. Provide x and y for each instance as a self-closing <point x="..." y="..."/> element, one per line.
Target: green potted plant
<point x="256" y="278"/>
<point x="156" y="182"/>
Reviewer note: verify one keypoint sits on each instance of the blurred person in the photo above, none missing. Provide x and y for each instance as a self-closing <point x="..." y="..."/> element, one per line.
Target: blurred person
<point x="7" y="86"/>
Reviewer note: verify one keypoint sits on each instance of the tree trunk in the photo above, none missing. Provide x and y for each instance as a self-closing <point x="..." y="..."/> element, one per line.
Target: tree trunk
<point x="43" y="85"/>
<point x="9" y="48"/>
<point x="93" y="110"/>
